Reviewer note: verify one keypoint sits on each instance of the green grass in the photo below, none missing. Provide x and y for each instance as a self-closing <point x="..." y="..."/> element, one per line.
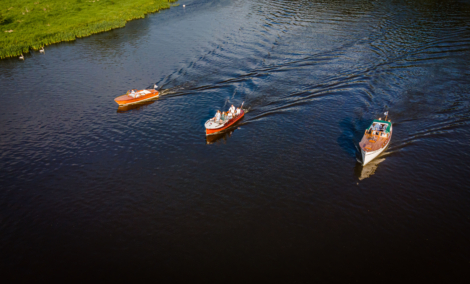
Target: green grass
<point x="32" y="24"/>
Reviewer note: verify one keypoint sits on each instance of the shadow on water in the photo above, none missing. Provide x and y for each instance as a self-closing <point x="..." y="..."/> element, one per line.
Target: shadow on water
<point x="351" y="135"/>
<point x="347" y="138"/>
<point x="220" y="137"/>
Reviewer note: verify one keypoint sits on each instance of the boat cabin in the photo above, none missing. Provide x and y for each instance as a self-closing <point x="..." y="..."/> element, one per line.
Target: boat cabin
<point x="379" y="128"/>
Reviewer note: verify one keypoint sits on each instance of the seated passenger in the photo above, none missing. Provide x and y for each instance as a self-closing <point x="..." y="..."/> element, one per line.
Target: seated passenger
<point x="229" y="115"/>
<point x="378" y="127"/>
<point x="238" y="111"/>
<point x="232" y="109"/>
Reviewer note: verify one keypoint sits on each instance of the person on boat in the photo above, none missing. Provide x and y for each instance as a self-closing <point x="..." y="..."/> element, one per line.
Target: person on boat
<point x="223" y="116"/>
<point x="132" y="94"/>
<point x="232" y="109"/>
<point x="217" y="116"/>
<point x="238" y="111"/>
<point x="229" y="115"/>
<point x="377" y="127"/>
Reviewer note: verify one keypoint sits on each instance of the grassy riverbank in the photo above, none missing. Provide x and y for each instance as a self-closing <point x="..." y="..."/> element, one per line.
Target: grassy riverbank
<point x="31" y="24"/>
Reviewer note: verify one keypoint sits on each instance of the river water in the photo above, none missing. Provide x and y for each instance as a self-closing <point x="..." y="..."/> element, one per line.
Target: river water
<point x="90" y="191"/>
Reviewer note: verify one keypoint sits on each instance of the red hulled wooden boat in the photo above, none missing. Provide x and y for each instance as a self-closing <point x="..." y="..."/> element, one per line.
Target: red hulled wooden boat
<point x="133" y="97"/>
<point x="213" y="127"/>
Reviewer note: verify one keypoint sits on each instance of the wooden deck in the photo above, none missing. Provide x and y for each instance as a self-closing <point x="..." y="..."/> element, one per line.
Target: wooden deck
<point x="371" y="143"/>
<point x="127" y="99"/>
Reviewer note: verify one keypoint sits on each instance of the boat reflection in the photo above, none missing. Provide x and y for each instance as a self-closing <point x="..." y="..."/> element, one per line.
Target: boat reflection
<point x="135" y="107"/>
<point x="363" y="172"/>
<point x="220" y="137"/>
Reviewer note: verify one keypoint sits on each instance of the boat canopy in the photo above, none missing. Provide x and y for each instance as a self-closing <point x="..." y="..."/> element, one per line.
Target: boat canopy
<point x="388" y="124"/>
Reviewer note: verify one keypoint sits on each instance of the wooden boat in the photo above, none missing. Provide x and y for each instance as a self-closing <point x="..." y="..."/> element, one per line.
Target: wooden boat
<point x="213" y="127"/>
<point x="376" y="138"/>
<point x="133" y="96"/>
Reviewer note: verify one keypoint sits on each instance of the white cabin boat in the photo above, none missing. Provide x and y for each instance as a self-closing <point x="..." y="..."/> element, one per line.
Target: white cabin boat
<point x="375" y="140"/>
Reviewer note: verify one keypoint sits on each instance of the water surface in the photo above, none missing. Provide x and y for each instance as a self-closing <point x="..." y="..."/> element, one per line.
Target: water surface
<point x="92" y="191"/>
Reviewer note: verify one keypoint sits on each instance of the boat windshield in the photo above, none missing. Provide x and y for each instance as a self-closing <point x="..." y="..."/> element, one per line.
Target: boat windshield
<point x="380" y="125"/>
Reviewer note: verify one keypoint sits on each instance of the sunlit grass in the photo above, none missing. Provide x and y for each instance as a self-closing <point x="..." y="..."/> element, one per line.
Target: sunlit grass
<point x="31" y="24"/>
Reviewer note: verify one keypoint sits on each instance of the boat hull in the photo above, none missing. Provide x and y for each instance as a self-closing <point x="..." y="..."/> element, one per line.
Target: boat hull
<point x="368" y="156"/>
<point x="231" y="122"/>
<point x="125" y="100"/>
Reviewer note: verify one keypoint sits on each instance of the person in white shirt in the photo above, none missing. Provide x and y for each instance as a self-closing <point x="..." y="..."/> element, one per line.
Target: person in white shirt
<point x="217" y="116"/>
<point x="232" y="109"/>
<point x="238" y="111"/>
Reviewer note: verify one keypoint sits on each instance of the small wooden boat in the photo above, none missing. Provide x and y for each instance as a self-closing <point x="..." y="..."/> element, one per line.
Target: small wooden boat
<point x="376" y="138"/>
<point x="213" y="126"/>
<point x="133" y="96"/>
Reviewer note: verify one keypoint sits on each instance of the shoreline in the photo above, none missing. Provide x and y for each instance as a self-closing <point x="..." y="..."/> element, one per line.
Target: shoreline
<point x="30" y="24"/>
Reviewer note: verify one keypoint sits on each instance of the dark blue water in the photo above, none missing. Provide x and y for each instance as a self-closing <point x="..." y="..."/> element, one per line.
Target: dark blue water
<point x="90" y="191"/>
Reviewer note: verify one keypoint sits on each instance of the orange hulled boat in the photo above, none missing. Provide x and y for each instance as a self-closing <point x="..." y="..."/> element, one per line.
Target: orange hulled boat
<point x="136" y="96"/>
<point x="226" y="120"/>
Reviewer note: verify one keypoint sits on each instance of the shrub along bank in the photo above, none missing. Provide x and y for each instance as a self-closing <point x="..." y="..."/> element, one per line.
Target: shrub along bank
<point x="31" y="24"/>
